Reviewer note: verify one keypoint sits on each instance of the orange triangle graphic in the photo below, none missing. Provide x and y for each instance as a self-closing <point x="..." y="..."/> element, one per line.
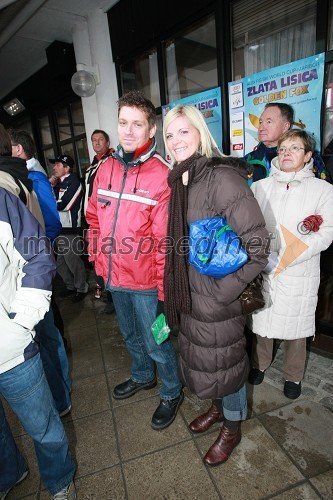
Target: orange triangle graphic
<point x="295" y="248"/>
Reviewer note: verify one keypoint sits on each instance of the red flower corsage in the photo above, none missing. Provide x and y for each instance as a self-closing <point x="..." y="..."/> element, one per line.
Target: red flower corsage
<point x="312" y="223"/>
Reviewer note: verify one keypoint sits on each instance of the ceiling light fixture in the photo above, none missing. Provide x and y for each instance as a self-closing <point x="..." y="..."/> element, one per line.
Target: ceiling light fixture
<point x="14" y="107"/>
<point x="84" y="81"/>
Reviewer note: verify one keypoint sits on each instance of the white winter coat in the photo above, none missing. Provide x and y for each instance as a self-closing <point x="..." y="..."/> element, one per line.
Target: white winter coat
<point x="285" y="199"/>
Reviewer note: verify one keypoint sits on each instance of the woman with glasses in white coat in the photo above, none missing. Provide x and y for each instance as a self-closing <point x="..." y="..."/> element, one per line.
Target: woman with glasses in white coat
<point x="298" y="210"/>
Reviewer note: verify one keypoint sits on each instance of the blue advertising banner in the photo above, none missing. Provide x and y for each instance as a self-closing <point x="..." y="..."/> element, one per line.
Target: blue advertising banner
<point x="209" y="103"/>
<point x="299" y="84"/>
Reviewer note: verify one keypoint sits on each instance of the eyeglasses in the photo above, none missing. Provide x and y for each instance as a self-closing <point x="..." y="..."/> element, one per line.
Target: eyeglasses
<point x="292" y="149"/>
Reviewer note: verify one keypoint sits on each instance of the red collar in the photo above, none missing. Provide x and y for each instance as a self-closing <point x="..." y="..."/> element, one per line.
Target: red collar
<point x="107" y="151"/>
<point x="142" y="149"/>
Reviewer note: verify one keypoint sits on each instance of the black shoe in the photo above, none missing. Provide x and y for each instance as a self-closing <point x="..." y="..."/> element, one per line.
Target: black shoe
<point x="256" y="376"/>
<point x="166" y="412"/>
<point x="292" y="390"/>
<point x="129" y="388"/>
<point x="79" y="296"/>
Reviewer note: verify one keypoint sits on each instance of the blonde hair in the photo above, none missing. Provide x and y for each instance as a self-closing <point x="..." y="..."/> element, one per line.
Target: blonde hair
<point x="208" y="146"/>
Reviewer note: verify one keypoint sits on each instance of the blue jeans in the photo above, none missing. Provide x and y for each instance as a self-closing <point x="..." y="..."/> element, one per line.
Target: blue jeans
<point x="136" y="312"/>
<point x="234" y="405"/>
<point x="55" y="362"/>
<point x="27" y="392"/>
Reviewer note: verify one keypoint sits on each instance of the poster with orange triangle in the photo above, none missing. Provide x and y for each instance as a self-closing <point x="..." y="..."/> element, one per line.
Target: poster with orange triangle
<point x="294" y="248"/>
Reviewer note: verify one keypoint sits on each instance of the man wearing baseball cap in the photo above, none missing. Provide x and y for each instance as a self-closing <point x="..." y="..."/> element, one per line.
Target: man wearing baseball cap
<point x="69" y="244"/>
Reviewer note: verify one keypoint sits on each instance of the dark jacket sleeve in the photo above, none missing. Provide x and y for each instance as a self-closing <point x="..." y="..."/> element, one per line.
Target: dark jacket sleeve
<point x="233" y="198"/>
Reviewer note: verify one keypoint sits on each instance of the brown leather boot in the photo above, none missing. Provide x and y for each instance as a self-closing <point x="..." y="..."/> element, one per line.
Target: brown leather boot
<point x="221" y="450"/>
<point x="205" y="421"/>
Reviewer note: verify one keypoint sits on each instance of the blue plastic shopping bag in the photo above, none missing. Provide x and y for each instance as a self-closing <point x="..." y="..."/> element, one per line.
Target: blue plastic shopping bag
<point x="215" y="250"/>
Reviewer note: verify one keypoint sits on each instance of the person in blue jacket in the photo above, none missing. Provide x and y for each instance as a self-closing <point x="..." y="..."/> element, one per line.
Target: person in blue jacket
<point x="23" y="147"/>
<point x="52" y="347"/>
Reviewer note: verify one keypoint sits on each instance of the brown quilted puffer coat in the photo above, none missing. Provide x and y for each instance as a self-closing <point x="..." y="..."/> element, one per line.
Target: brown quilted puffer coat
<point x="213" y="361"/>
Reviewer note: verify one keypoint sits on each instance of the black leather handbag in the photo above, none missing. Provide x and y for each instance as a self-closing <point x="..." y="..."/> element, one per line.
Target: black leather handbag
<point x="251" y="298"/>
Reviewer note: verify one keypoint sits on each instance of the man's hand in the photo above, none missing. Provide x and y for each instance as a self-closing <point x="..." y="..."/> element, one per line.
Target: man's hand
<point x="53" y="180"/>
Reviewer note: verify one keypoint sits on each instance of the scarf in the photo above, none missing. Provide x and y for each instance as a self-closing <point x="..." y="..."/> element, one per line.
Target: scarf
<point x="17" y="168"/>
<point x="176" y="282"/>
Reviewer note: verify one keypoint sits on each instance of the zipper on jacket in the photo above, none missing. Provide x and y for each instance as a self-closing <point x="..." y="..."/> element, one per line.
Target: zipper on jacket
<point x="115" y="220"/>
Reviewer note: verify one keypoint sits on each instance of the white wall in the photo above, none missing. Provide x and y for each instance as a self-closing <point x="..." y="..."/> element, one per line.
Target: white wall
<point x="92" y="46"/>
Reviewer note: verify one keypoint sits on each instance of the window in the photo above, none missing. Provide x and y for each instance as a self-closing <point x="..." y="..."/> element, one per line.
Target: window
<point x="77" y="117"/>
<point x="142" y="74"/>
<point x="159" y="136"/>
<point x="46" y="141"/>
<point x="62" y="131"/>
<point x="267" y="33"/>
<point x="81" y="147"/>
<point x="327" y="146"/>
<point x="191" y="61"/>
<point x="45" y="130"/>
<point x="330" y="27"/>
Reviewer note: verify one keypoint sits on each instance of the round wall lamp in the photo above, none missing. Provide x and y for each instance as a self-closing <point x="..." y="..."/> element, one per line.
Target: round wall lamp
<point x="84" y="81"/>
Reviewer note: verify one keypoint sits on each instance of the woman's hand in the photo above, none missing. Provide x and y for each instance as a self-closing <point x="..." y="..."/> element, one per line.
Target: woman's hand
<point x="272" y="262"/>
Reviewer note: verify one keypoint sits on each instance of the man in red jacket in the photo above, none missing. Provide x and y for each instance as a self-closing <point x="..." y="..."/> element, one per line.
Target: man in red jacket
<point x="127" y="214"/>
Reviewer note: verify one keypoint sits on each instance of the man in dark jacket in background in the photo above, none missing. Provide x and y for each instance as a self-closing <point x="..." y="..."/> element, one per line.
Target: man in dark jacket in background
<point x="100" y="141"/>
<point x="68" y="192"/>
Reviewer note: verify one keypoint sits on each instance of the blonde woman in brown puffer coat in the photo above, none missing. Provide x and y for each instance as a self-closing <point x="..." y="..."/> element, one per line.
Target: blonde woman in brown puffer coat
<point x="213" y="362"/>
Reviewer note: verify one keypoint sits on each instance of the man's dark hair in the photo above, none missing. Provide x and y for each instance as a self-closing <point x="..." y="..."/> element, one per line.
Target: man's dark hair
<point x="5" y="144"/>
<point x="97" y="131"/>
<point x="136" y="99"/>
<point x="287" y="111"/>
<point x="24" y="138"/>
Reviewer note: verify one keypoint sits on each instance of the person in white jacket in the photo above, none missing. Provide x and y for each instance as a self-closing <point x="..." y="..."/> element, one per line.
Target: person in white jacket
<point x="27" y="267"/>
<point x="298" y="210"/>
